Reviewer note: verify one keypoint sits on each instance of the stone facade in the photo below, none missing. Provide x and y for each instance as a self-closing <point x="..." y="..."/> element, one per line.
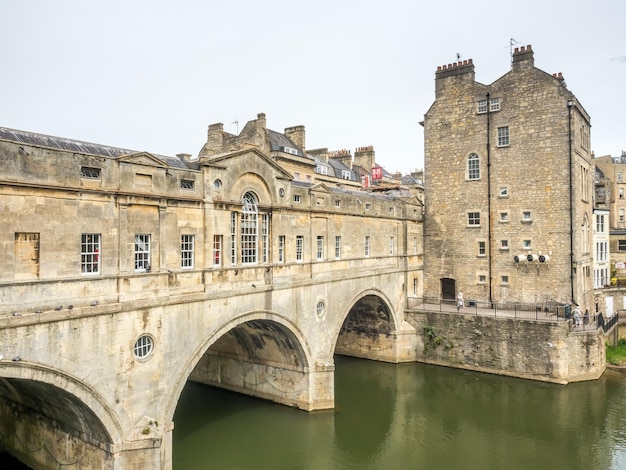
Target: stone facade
<point x="501" y="223"/>
<point x="125" y="274"/>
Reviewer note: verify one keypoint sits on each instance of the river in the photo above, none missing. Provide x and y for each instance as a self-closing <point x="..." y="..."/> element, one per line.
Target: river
<point x="409" y="416"/>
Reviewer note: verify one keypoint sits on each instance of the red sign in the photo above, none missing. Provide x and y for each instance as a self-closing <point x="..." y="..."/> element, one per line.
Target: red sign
<point x="377" y="173"/>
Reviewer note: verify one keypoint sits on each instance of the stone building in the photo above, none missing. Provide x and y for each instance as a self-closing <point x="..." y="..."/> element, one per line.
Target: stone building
<point x="508" y="187"/>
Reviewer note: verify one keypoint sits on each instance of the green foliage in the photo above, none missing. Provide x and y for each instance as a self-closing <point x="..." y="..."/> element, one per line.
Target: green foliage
<point x="616" y="355"/>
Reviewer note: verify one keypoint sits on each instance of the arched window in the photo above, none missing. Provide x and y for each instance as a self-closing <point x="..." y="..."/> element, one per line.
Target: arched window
<point x="249" y="228"/>
<point x="473" y="167"/>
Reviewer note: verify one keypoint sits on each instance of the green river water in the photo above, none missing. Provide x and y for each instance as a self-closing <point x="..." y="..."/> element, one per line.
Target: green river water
<point x="409" y="416"/>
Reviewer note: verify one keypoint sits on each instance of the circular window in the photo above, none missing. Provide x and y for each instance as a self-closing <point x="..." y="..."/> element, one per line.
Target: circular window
<point x="281" y="192"/>
<point x="320" y="309"/>
<point x="217" y="184"/>
<point x="143" y="346"/>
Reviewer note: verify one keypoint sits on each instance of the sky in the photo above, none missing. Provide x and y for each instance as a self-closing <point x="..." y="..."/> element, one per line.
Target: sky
<point x="152" y="75"/>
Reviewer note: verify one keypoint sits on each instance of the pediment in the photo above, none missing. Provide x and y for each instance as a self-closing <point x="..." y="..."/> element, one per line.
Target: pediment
<point x="249" y="158"/>
<point x="320" y="187"/>
<point x="143" y="158"/>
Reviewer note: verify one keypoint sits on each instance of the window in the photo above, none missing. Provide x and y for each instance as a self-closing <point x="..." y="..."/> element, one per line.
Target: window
<point x="391" y="246"/>
<point x="504" y="216"/>
<point x="414" y="245"/>
<point x="414" y="286"/>
<point x="281" y="248"/>
<point x="367" y="245"/>
<point x="503" y="136"/>
<point x="143" y="346"/>
<point x="481" y="107"/>
<point x="526" y="244"/>
<point x="345" y="174"/>
<point x="526" y="216"/>
<point x="90" y="253"/>
<point x="296" y="176"/>
<point x="264" y="237"/>
<point x="504" y="192"/>
<point x="337" y="203"/>
<point x="187" y="184"/>
<point x="494" y="105"/>
<point x="600" y="277"/>
<point x="619" y="177"/>
<point x="233" y="238"/>
<point x="600" y="223"/>
<point x="217" y="250"/>
<point x="473" y="167"/>
<point x="504" y="244"/>
<point x="368" y="206"/>
<point x="621" y="245"/>
<point x="621" y="193"/>
<point x="321" y="169"/>
<point x="249" y="228"/>
<point x="90" y="173"/>
<point x="142" y="253"/>
<point x="297" y="198"/>
<point x="319" y="253"/>
<point x="482" y="279"/>
<point x="281" y="192"/>
<point x="473" y="219"/>
<point x="601" y="251"/>
<point x="621" y="215"/>
<point x="299" y="247"/>
<point x="504" y="279"/>
<point x="338" y="247"/>
<point x="320" y="309"/>
<point x="186" y="251"/>
<point x="482" y="248"/>
<point x="217" y="184"/>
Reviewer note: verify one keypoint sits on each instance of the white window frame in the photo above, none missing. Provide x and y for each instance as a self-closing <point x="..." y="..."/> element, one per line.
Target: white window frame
<point x="599" y="223"/>
<point x="473" y="166"/>
<point x="233" y="238"/>
<point x="392" y="244"/>
<point x="142" y="252"/>
<point x="338" y="247"/>
<point x="90" y="253"/>
<point x="299" y="248"/>
<point x="187" y="250"/>
<point x="367" y="246"/>
<point x="281" y="248"/>
<point x="473" y="219"/>
<point x="249" y="229"/>
<point x="503" y="136"/>
<point x="218" y="241"/>
<point x="319" y="253"/>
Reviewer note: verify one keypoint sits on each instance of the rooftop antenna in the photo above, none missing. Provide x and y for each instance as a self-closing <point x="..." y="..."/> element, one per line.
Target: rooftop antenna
<point x="237" y="124"/>
<point x="512" y="42"/>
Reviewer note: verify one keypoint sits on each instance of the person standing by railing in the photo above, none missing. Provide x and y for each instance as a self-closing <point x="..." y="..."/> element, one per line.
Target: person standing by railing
<point x="459" y="300"/>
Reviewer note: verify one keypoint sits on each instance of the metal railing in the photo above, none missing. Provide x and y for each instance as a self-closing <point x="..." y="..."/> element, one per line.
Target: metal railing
<point x="548" y="311"/>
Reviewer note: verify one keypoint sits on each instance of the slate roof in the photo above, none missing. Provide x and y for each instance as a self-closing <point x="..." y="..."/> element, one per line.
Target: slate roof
<point x="71" y="145"/>
<point x="278" y="141"/>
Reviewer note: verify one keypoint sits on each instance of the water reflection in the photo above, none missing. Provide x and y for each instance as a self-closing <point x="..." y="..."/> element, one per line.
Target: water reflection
<point x="410" y="416"/>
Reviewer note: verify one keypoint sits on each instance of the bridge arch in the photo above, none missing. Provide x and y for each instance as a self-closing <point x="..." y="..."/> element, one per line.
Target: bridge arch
<point x="260" y="344"/>
<point x="60" y="407"/>
<point x="368" y="327"/>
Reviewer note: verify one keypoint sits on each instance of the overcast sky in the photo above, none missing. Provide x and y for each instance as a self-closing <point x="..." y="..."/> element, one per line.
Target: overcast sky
<point x="152" y="75"/>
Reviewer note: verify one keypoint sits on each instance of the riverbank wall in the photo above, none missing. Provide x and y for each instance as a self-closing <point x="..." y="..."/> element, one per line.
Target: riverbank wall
<point x="530" y="349"/>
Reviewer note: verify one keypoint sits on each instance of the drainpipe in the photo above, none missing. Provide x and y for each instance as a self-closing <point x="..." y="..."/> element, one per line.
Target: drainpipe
<point x="570" y="103"/>
<point x="489" y="223"/>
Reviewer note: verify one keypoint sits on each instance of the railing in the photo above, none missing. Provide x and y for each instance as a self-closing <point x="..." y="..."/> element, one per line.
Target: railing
<point x="607" y="323"/>
<point x="547" y="311"/>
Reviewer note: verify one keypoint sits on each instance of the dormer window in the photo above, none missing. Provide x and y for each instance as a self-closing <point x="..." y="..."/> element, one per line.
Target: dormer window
<point x="290" y="150"/>
<point x="345" y="174"/>
<point x="321" y="169"/>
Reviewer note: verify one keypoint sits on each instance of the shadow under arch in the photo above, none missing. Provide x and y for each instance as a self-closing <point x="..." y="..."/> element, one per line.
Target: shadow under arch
<point x="259" y="337"/>
<point x="368" y="328"/>
<point x="66" y="402"/>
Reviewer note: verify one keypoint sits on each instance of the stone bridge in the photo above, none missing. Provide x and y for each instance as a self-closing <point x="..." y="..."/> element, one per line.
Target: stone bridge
<point x="101" y="383"/>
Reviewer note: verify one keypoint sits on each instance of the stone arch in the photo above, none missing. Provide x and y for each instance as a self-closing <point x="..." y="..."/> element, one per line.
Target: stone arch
<point x="369" y="327"/>
<point x="288" y="337"/>
<point x="251" y="182"/>
<point x="79" y="409"/>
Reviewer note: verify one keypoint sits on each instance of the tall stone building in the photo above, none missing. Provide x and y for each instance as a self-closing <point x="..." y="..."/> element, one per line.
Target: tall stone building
<point x="508" y="187"/>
